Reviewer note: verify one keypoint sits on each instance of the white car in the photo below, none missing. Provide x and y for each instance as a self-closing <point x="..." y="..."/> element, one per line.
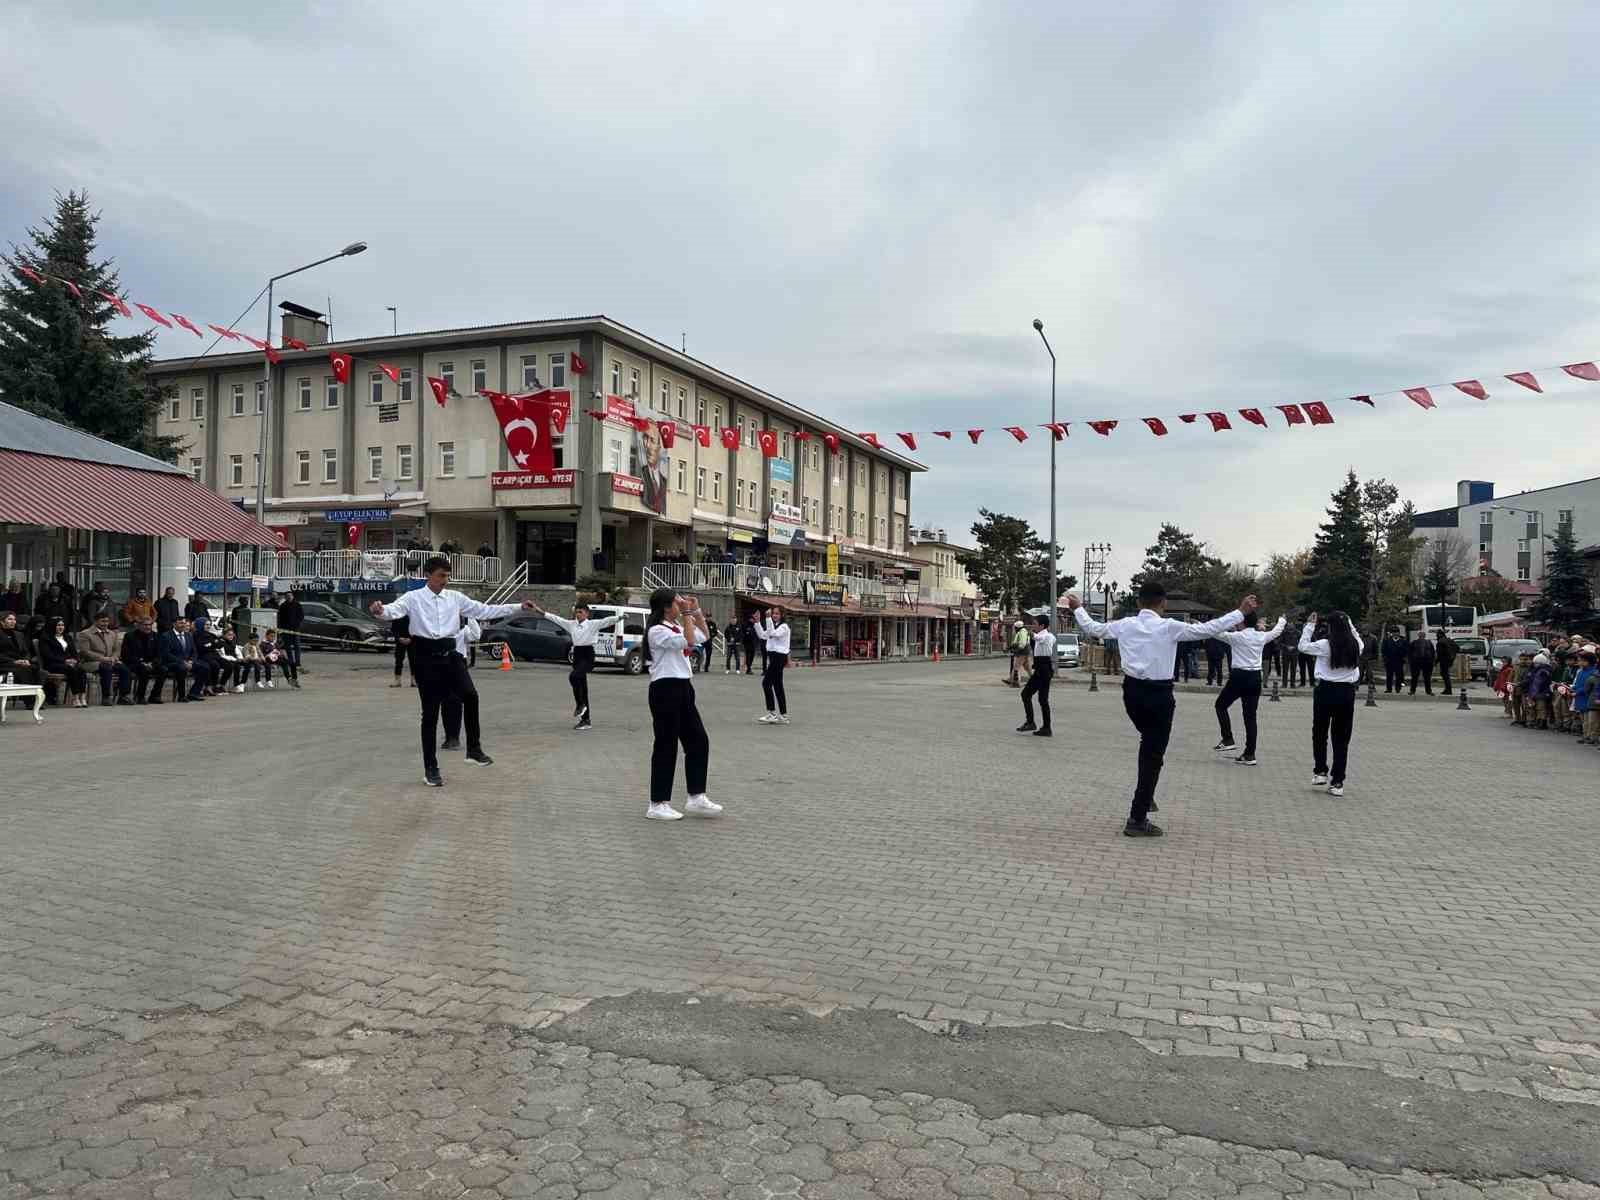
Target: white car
<point x="622" y="645"/>
<point x="1066" y="649"/>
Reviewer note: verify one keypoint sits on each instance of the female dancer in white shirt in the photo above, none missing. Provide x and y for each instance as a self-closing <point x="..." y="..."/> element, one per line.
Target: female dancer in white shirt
<point x="1337" y="669"/>
<point x="676" y="627"/>
<point x="774" y="631"/>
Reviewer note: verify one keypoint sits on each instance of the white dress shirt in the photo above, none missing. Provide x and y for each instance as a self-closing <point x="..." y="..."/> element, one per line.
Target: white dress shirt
<point x="669" y="650"/>
<point x="1323" y="668"/>
<point x="775" y="636"/>
<point x="470" y="632"/>
<point x="1248" y="643"/>
<point x="1044" y="645"/>
<point x="1148" y="643"/>
<point x="438" y="615"/>
<point x="585" y="632"/>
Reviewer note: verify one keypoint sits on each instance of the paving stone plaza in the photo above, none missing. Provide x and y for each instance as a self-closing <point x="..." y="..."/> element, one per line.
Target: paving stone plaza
<point x="244" y="952"/>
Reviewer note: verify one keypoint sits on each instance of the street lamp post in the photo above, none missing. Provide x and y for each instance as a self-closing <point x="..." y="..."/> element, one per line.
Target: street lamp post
<point x="266" y="402"/>
<point x="1038" y="327"/>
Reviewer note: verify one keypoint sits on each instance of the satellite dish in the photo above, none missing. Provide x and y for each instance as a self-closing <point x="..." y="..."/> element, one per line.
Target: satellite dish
<point x="390" y="487"/>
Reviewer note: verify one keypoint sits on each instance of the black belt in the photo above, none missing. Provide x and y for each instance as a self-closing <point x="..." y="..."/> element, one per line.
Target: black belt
<point x="1164" y="685"/>
<point x="434" y="645"/>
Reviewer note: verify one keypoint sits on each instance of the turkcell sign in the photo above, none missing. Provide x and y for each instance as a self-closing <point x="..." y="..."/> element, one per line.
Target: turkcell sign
<point x="355" y="516"/>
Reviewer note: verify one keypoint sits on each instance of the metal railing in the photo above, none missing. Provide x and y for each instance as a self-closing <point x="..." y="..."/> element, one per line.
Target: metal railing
<point x="742" y="577"/>
<point x="510" y="585"/>
<point x="297" y="566"/>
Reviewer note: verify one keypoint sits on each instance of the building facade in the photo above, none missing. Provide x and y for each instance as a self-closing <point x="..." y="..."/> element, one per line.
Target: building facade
<point x="1510" y="535"/>
<point x="376" y="464"/>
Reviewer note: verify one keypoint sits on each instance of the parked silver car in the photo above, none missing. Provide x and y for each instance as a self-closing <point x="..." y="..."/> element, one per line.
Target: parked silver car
<point x="1066" y="650"/>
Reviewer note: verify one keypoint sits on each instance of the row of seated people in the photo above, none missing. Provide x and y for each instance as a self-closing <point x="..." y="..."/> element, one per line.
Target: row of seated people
<point x="134" y="666"/>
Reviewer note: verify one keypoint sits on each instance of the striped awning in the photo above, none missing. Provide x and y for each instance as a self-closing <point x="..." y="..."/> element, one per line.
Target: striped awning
<point x="37" y="489"/>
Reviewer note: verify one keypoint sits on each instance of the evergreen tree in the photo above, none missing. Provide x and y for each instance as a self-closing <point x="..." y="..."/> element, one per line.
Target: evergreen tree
<point x="1341" y="557"/>
<point x="57" y="357"/>
<point x="1178" y="562"/>
<point x="1012" y="565"/>
<point x="1567" y="599"/>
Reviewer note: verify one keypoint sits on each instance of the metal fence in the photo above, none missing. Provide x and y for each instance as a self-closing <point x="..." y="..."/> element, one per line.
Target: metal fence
<point x="740" y="577"/>
<point x="298" y="566"/>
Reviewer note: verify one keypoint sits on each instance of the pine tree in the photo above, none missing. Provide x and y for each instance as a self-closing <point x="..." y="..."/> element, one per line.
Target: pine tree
<point x="1341" y="557"/>
<point x="57" y="356"/>
<point x="1567" y="599"/>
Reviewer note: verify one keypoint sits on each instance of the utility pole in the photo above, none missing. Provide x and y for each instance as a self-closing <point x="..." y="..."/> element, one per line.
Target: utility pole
<point x="1094" y="569"/>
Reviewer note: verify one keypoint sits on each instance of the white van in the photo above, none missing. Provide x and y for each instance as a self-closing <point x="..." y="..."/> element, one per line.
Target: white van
<point x="621" y="645"/>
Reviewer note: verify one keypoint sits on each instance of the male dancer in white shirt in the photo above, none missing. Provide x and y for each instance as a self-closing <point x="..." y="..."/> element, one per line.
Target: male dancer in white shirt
<point x="436" y="613"/>
<point x="584" y="631"/>
<point x="1149" y="645"/>
<point x="1244" y="684"/>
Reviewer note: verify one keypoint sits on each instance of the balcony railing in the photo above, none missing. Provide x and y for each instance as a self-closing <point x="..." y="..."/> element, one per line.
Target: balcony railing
<point x="740" y="577"/>
<point x="300" y="566"/>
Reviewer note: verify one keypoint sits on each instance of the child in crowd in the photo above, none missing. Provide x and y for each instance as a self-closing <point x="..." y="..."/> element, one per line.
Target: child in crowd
<point x="1585" y="702"/>
<point x="1502" y="686"/>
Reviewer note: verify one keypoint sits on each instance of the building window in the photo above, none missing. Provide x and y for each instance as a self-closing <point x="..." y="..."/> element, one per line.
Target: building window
<point x="305" y="395"/>
<point x="683" y="475"/>
<point x="255" y="469"/>
<point x="197" y="404"/>
<point x="402" y="468"/>
<point x="330" y="466"/>
<point x="786" y="445"/>
<point x="666" y="395"/>
<point x="196" y="468"/>
<point x="683" y="404"/>
<point x="739" y="425"/>
<point x="330" y="392"/>
<point x="883" y="531"/>
<point x="302" y="466"/>
<point x="816" y="461"/>
<point x="616" y="378"/>
<point x="447" y="372"/>
<point x="751" y="431"/>
<point x="405" y="385"/>
<point x="699" y="410"/>
<point x="1564" y="518"/>
<point x="772" y="496"/>
<point x="261" y="396"/>
<point x="700" y="483"/>
<point x="238" y="399"/>
<point x="530" y="370"/>
<point x="558" y="370"/>
<point x="174" y="409"/>
<point x="1533" y="530"/>
<point x="716" y="415"/>
<point x="447" y="460"/>
<point x="633" y="382"/>
<point x="375" y="384"/>
<point x="716" y="485"/>
<point x="374" y="463"/>
<point x="235" y="470"/>
<point x="480" y="375"/>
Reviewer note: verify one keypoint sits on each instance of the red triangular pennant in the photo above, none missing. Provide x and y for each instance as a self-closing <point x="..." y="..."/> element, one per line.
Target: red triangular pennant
<point x="152" y="314"/>
<point x="1058" y="429"/>
<point x="974" y="434"/>
<point x="1292" y="414"/>
<point x="944" y="433"/>
<point x="1018" y="432"/>
<point x="30" y="273"/>
<point x="1254" y="416"/>
<point x="1157" y="426"/>
<point x="909" y="439"/>
<point x="76" y="291"/>
<point x="116" y="302"/>
<point x="256" y="342"/>
<point x="185" y="323"/>
<point x="1583" y="370"/>
<point x="1103" y="428"/>
<point x="1367" y="400"/>
<point x="1188" y="418"/>
<point x="1472" y="388"/>
<point x="1419" y="397"/>
<point x="1526" y="379"/>
<point x="1319" y="414"/>
<point x="1219" y="421"/>
<point x="221" y="332"/>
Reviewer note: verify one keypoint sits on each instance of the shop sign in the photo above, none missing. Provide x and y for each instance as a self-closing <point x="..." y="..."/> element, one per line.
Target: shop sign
<point x="782" y="470"/>
<point x="893" y="574"/>
<point x="287" y="518"/>
<point x="873" y="600"/>
<point x="741" y="535"/>
<point x="355" y="516"/>
<point x="627" y="485"/>
<point x="785" y="526"/>
<point x="824" y="595"/>
<point x="833" y="558"/>
<point x="620" y="411"/>
<point x="524" y="480"/>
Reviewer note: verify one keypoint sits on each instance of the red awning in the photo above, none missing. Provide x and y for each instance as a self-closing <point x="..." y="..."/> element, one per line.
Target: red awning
<point x="36" y="489"/>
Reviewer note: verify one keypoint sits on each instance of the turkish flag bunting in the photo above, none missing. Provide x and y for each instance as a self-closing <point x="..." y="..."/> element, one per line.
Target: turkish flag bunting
<point x="1253" y="415"/>
<point x="1367" y="400"/>
<point x="256" y="342"/>
<point x="1018" y="432"/>
<point x="523" y="424"/>
<point x="221" y="332"/>
<point x="152" y="314"/>
<point x="1584" y="370"/>
<point x="272" y="355"/>
<point x="870" y="439"/>
<point x="1219" y="421"/>
<point x="769" y="443"/>
<point x="1472" y="388"/>
<point x="944" y="433"/>
<point x="909" y="439"/>
<point x="599" y="414"/>
<point x="669" y="434"/>
<point x="579" y="367"/>
<point x="1157" y="426"/>
<point x="974" y="434"/>
<point x="294" y="344"/>
<point x="831" y="441"/>
<point x="1419" y="397"/>
<point x="1188" y="418"/>
<point x="1058" y="429"/>
<point x="800" y="435"/>
<point x="640" y="424"/>
<point x="730" y="439"/>
<point x="702" y="434"/>
<point x="1292" y="414"/>
<point x="440" y="389"/>
<point x="30" y="273"/>
<point x="1526" y="379"/>
<point x="185" y="323"/>
<point x="1103" y="428"/>
<point x="352" y="535"/>
<point x="341" y="365"/>
<point x="558" y="412"/>
<point x="1319" y="414"/>
<point x="117" y="303"/>
<point x="392" y="372"/>
<point x="69" y="285"/>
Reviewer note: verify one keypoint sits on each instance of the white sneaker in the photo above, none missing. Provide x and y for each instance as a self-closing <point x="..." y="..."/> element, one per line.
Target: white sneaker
<point x="770" y="718"/>
<point x="702" y="804"/>
<point x="1336" y="790"/>
<point x="270" y="684"/>
<point x="783" y="718"/>
<point x="662" y="812"/>
<point x="239" y="690"/>
<point x="1319" y="781"/>
<point x="259" y="685"/>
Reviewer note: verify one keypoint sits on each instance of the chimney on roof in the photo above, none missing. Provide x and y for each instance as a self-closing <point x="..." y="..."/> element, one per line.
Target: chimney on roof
<point x="303" y="325"/>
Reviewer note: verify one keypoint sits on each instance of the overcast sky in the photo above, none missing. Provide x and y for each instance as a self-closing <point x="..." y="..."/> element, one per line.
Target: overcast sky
<point x="863" y="207"/>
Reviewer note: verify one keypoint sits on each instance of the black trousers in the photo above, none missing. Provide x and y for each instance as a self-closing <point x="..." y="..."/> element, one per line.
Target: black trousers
<point x="1213" y="670"/>
<point x="1150" y="706"/>
<point x="1394" y="674"/>
<point x="141" y="677"/>
<point x="582" y="664"/>
<point x="677" y="722"/>
<point x="451" y="710"/>
<point x="1444" y="674"/>
<point x="107" y="668"/>
<point x="1244" y="686"/>
<point x="1183" y="665"/>
<point x="730" y="661"/>
<point x="772" y="682"/>
<point x="1333" y="710"/>
<point x="401" y="653"/>
<point x="1038" y="685"/>
<point x="440" y="676"/>
<point x="1425" y="674"/>
<point x="291" y="645"/>
<point x="750" y="655"/>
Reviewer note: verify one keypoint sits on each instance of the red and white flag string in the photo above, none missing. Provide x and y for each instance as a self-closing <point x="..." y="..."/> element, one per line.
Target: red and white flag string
<point x="1312" y="412"/>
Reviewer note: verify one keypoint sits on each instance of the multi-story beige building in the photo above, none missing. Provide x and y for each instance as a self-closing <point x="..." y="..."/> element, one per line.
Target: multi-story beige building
<point x="383" y="456"/>
<point x="939" y="560"/>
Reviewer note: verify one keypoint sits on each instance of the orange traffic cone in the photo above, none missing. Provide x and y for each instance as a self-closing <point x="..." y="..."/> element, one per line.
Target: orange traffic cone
<point x="936" y="654"/>
<point x="505" y="657"/>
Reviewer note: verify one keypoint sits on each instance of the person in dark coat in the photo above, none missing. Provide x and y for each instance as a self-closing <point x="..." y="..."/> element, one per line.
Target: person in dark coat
<point x="140" y="658"/>
<point x="12" y="600"/>
<point x="1444" y="653"/>
<point x="17" y="655"/>
<point x="97" y="602"/>
<point x="290" y="617"/>
<point x="207" y="646"/>
<point x="1215" y="654"/>
<point x="167" y="611"/>
<point x="747" y="636"/>
<point x="1394" y="660"/>
<point x="196" y="609"/>
<point x="1420" y="655"/>
<point x="180" y="661"/>
<point x="58" y="654"/>
<point x="53" y="605"/>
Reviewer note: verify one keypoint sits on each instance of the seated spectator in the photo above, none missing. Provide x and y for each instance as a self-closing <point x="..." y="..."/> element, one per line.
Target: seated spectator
<point x="275" y="655"/>
<point x="181" y="663"/>
<point x="99" y="650"/>
<point x="253" y="664"/>
<point x="58" y="654"/>
<point x="17" y="655"/>
<point x="231" y="655"/>
<point x="205" y="648"/>
<point x="137" y="609"/>
<point x="141" y="661"/>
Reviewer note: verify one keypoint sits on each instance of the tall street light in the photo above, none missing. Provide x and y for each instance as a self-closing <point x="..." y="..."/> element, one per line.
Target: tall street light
<point x="1038" y="327"/>
<point x="266" y="404"/>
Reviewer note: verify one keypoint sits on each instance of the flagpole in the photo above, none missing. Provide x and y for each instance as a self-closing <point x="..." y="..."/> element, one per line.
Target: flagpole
<point x="1038" y="326"/>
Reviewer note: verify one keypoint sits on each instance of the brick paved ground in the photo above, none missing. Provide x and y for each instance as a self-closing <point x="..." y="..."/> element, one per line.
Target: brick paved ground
<point x="245" y="952"/>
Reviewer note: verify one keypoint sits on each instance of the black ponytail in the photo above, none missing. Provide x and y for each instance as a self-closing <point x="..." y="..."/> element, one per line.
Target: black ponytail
<point x="1342" y="652"/>
<point x="659" y="600"/>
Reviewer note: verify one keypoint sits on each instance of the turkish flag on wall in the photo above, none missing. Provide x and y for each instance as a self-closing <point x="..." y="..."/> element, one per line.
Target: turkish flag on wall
<point x="669" y="434"/>
<point x="702" y="434"/>
<point x="341" y="365"/>
<point x="352" y="535"/>
<point x="769" y="443"/>
<point x="870" y="439"/>
<point x="392" y="372"/>
<point x="272" y="355"/>
<point x="579" y="367"/>
<point x="524" y="423"/>
<point x="730" y="438"/>
<point x="439" y="388"/>
<point x="831" y="441"/>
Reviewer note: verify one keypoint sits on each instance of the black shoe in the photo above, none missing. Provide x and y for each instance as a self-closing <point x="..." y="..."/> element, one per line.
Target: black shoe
<point x="1154" y="807"/>
<point x="1045" y="732"/>
<point x="153" y="700"/>
<point x="1225" y="746"/>
<point x="1026" y="727"/>
<point x="479" y="758"/>
<point x="1246" y="760"/>
<point x="123" y="700"/>
<point x="1143" y="829"/>
<point x="433" y="778"/>
<point x="451" y="744"/>
<point x="583" y="725"/>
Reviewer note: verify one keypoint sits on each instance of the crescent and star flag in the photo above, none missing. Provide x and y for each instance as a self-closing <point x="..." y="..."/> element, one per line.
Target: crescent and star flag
<point x="1219" y="421"/>
<point x="1253" y="415"/>
<point x="1472" y="388"/>
<point x="523" y="425"/>
<point x="1018" y="432"/>
<point x="352" y="535"/>
<point x="392" y="372"/>
<point x="256" y="342"/>
<point x="294" y="344"/>
<point x="185" y="323"/>
<point x="1103" y="428"/>
<point x="974" y="434"/>
<point x="152" y="314"/>
<point x="1292" y="414"/>
<point x="870" y="439"/>
<point x="831" y="441"/>
<point x="1367" y="400"/>
<point x="1318" y="412"/>
<point x="769" y="443"/>
<point x="669" y="434"/>
<point x="730" y="439"/>
<point x="1526" y="379"/>
<point x="1058" y="429"/>
<point x="116" y="302"/>
<point x="340" y="364"/>
<point x="944" y="433"/>
<point x="70" y="286"/>
<point x="702" y="434"/>
<point x="1583" y="370"/>
<point x="221" y="332"/>
<point x="1188" y="418"/>
<point x="558" y="416"/>
<point x="1157" y="426"/>
<point x="273" y="356"/>
<point x="30" y="273"/>
<point x="909" y="439"/>
<point x="640" y="424"/>
<point x="440" y="389"/>
<point x="1419" y="397"/>
<point x="579" y="367"/>
<point x="800" y="435"/>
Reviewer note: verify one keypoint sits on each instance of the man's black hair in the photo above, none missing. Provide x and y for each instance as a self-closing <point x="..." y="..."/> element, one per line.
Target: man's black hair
<point x="1041" y="620"/>
<point x="1250" y="619"/>
<point x="437" y="563"/>
<point x="1151" y="592"/>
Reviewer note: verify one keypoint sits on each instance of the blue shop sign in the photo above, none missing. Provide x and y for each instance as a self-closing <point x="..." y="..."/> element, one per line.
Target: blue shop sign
<point x="782" y="470"/>
<point x="355" y="516"/>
